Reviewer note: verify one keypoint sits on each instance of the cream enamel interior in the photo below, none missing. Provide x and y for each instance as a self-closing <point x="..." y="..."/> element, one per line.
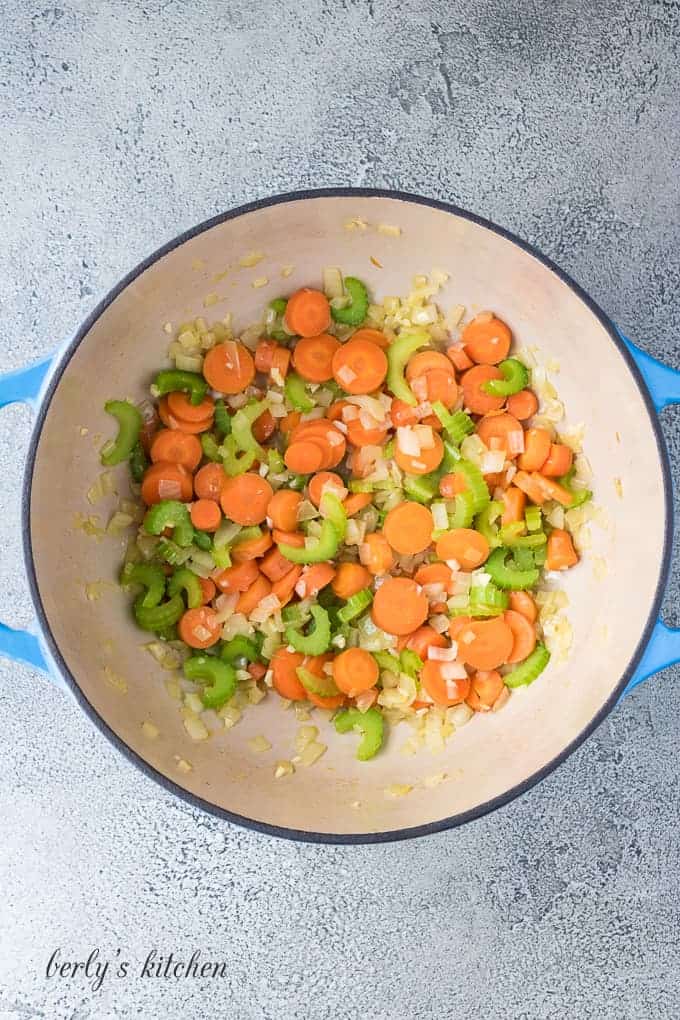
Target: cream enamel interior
<point x="119" y="356"/>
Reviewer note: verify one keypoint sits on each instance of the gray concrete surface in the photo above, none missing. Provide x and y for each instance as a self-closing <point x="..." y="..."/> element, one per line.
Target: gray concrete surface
<point x="122" y="123"/>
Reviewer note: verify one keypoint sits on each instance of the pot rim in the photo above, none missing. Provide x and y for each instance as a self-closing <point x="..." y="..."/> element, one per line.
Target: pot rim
<point x="389" y="835"/>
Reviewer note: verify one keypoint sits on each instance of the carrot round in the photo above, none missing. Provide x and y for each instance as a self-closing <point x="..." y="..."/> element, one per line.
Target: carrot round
<point x="523" y="633"/>
<point x="275" y="565"/>
<point x="206" y="515"/>
<point x="485" y="644"/>
<point x="349" y="579"/>
<point x="561" y="553"/>
<point x="249" y="599"/>
<point x="402" y="413"/>
<point x="252" y="548"/>
<point x="209" y="481"/>
<point x="238" y="578"/>
<point x="315" y="665"/>
<point x="376" y="553"/>
<point x="474" y="397"/>
<point x="442" y="691"/>
<point x="440" y="385"/>
<point x="294" y="538"/>
<point x="199" y="628"/>
<point x="465" y="545"/>
<point x="229" y="367"/>
<point x="458" y="357"/>
<point x="280" y="363"/>
<point x="359" y="435"/>
<point x="434" y="573"/>
<point x="171" y="421"/>
<point x="245" y="498"/>
<point x="289" y="422"/>
<point x="304" y="456"/>
<point x="537" y="443"/>
<point x="285" y="586"/>
<point x="399" y="606"/>
<point x="284" y="678"/>
<point x="208" y="589"/>
<point x="426" y="461"/>
<point x="451" y="484"/>
<point x="485" y="690"/>
<point x="522" y="602"/>
<point x="523" y="404"/>
<point x="359" y="366"/>
<point x="313" y="357"/>
<point x="308" y="312"/>
<point x="487" y="339"/>
<point x="355" y="671"/>
<point x="356" y="502"/>
<point x="323" y="481"/>
<point x="408" y="527"/>
<point x="514" y="502"/>
<point x="283" y="508"/>
<point x="376" y="336"/>
<point x="264" y="353"/>
<point x="316" y="577"/>
<point x="458" y="624"/>
<point x="181" y="407"/>
<point x="264" y="427"/>
<point x="421" y="640"/>
<point x="497" y="431"/>
<point x="178" y="448"/>
<point x="559" y="461"/>
<point x="425" y="361"/>
<point x="164" y="480"/>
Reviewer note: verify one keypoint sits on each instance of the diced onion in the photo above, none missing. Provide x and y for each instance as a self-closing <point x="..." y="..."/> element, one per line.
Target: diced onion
<point x="446" y="654"/>
<point x="407" y="441"/>
<point x="346" y="375"/>
<point x="492" y="462"/>
<point x="453" y="671"/>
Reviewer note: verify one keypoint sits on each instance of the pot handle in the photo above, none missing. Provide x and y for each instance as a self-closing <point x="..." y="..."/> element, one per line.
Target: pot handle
<point x="26" y="385"/>
<point x="663" y="383"/>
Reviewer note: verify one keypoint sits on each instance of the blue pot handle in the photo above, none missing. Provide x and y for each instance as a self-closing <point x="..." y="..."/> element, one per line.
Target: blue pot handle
<point x="26" y="385"/>
<point x="663" y="384"/>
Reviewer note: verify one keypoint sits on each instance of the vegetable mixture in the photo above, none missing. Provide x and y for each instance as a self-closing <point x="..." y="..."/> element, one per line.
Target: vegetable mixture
<point x="349" y="515"/>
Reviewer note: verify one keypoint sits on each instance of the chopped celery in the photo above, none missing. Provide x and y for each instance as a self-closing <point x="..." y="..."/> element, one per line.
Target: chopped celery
<point x="203" y="541"/>
<point x="240" y="649"/>
<point x="463" y="510"/>
<point x="398" y="353"/>
<point x="324" y="548"/>
<point x="129" y="419"/>
<point x="172" y="380"/>
<point x="221" y="674"/>
<point x="355" y="605"/>
<point x="505" y="575"/>
<point x="456" y="426"/>
<point x="158" y="618"/>
<point x="242" y="427"/>
<point x="139" y="462"/>
<point x="151" y="576"/>
<point x="235" y="461"/>
<point x="354" y="313"/>
<point x="410" y="662"/>
<point x="170" y="513"/>
<point x="422" y="488"/>
<point x="210" y="447"/>
<point x="222" y="419"/>
<point x="370" y="725"/>
<point x="515" y="378"/>
<point x="528" y="670"/>
<point x="533" y="518"/>
<point x="295" y="390"/>
<point x="485" y="522"/>
<point x="387" y="661"/>
<point x="322" y="686"/>
<point x="185" y="580"/>
<point x="333" y="510"/>
<point x="315" y="642"/>
<point x="474" y="480"/>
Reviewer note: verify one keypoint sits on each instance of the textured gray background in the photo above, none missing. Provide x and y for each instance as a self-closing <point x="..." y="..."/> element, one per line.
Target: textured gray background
<point x="122" y="124"/>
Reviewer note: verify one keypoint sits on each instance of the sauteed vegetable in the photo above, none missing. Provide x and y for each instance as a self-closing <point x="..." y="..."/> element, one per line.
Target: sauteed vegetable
<point x="350" y="514"/>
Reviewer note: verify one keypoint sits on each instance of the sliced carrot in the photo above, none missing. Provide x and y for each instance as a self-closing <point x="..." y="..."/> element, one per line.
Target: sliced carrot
<point x="171" y="421"/>
<point x="229" y="367"/>
<point x="523" y="633"/>
<point x="289" y="422"/>
<point x="359" y="435"/>
<point x="487" y="339"/>
<point x="528" y="484"/>
<point x="427" y="460"/>
<point x="294" y="538"/>
<point x="537" y="443"/>
<point x="280" y="364"/>
<point x="252" y="548"/>
<point x="199" y="628"/>
<point x="334" y="412"/>
<point x="425" y="361"/>
<point x="181" y="407"/>
<point x="245" y="498"/>
<point x="434" y="573"/>
<point x="264" y="353"/>
<point x="485" y="644"/>
<point x="308" y="312"/>
<point x="315" y="665"/>
<point x="514" y="501"/>
<point x="238" y="578"/>
<point x="465" y="545"/>
<point x="438" y="384"/>
<point x="474" y="397"/>
<point x="399" y="606"/>
<point x="283" y="508"/>
<point x="330" y="704"/>
<point x="323" y="431"/>
<point x="359" y="366"/>
<point x="355" y="670"/>
<point x="523" y="404"/>
<point x="402" y="413"/>
<point x="209" y="481"/>
<point x="408" y="527"/>
<point x="208" y="589"/>
<point x="249" y="599"/>
<point x="349" y="579"/>
<point x="285" y="586"/>
<point x="559" y="461"/>
<point x="458" y="357"/>
<point x="176" y="447"/>
<point x="264" y="427"/>
<point x="304" y="456"/>
<point x="501" y="432"/>
<point x="376" y="553"/>
<point x="522" y="602"/>
<point x="324" y="481"/>
<point x="316" y="577"/>
<point x="257" y="670"/>
<point x="376" y="336"/>
<point x="421" y="640"/>
<point x="551" y="489"/>
<point x="561" y="553"/>
<point x="485" y="690"/>
<point x="356" y="502"/>
<point x="313" y="357"/>
<point x="206" y="515"/>
<point x="164" y="480"/>
<point x="458" y="624"/>
<point x="450" y="485"/>
<point x="442" y="691"/>
<point x="284" y="677"/>
<point x="275" y="565"/>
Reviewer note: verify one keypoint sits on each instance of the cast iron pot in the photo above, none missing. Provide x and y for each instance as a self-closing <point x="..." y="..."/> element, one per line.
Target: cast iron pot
<point x="605" y="382"/>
